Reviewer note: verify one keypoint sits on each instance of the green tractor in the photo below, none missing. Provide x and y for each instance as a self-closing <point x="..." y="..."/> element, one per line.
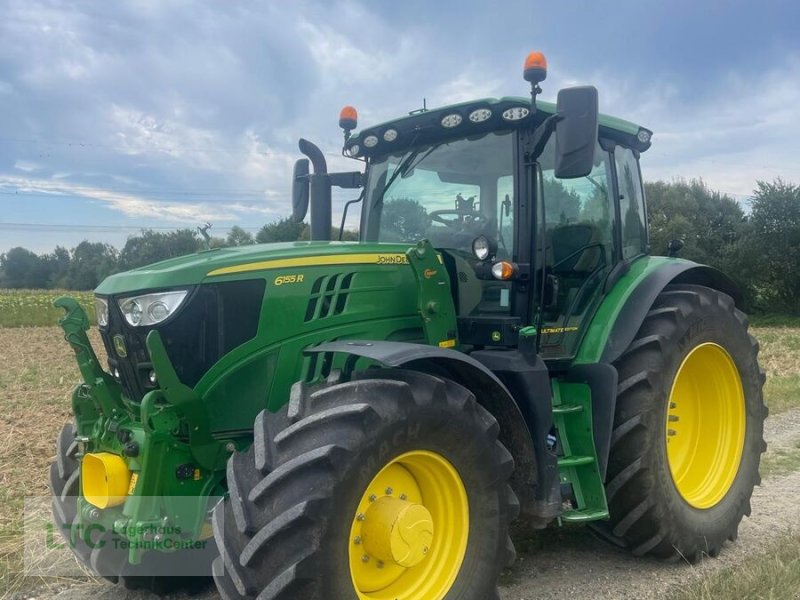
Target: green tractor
<point x="366" y="420"/>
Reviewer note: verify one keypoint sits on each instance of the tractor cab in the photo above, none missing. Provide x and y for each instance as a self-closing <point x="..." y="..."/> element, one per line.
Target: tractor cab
<point x="533" y="206"/>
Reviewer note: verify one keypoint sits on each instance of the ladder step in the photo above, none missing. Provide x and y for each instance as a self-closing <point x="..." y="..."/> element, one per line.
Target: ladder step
<point x="563" y="409"/>
<point x="575" y="461"/>
<point x="581" y="516"/>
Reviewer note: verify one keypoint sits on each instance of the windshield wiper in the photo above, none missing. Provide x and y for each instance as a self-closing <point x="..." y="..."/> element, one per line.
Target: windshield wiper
<point x="405" y="166"/>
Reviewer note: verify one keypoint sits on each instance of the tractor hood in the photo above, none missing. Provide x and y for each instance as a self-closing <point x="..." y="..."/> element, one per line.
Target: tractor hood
<point x="225" y="263"/>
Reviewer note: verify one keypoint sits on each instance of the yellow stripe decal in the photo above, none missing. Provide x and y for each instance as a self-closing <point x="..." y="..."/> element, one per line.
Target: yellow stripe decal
<point x="315" y="261"/>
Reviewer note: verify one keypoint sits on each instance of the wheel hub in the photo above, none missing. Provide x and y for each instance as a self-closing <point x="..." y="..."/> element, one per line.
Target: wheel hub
<point x="398" y="531"/>
<point x="409" y="532"/>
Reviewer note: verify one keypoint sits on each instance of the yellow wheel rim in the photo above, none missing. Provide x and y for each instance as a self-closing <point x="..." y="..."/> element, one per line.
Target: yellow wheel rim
<point x="705" y="425"/>
<point x="409" y="533"/>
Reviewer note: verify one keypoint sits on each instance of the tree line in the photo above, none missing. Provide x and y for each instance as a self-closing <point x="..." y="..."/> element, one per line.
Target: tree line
<point x="760" y="250"/>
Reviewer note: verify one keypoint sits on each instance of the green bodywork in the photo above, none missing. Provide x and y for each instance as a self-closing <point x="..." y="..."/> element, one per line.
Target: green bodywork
<point x="394" y="292"/>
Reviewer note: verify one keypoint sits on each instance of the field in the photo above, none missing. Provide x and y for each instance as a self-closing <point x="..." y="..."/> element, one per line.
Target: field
<point x="38" y="371"/>
<point x="34" y="308"/>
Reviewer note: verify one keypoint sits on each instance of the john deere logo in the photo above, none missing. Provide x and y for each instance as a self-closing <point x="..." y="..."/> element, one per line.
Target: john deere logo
<point x="119" y="346"/>
<point x="430" y="273"/>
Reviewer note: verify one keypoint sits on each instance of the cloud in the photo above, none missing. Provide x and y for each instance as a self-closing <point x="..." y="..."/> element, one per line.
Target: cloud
<point x="131" y="205"/>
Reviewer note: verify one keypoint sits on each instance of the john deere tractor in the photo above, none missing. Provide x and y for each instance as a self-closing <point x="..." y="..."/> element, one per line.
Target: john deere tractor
<point x="366" y="420"/>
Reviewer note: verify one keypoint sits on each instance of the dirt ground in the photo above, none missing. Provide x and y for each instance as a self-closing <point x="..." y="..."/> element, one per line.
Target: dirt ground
<point x="557" y="563"/>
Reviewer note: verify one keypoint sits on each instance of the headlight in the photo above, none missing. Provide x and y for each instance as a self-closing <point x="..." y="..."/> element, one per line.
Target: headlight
<point x="483" y="248"/>
<point x="150" y="309"/>
<point x="101" y="309"/>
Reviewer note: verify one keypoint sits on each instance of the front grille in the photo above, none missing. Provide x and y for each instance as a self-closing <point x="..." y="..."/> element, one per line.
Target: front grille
<point x="215" y="319"/>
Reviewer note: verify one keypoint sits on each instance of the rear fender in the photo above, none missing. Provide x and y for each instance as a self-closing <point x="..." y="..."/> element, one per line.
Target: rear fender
<point x="625" y="307"/>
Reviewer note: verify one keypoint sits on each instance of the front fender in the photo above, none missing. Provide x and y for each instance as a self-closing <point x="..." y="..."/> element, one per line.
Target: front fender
<point x="490" y="391"/>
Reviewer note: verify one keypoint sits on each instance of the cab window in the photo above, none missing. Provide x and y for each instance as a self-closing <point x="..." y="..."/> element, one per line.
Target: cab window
<point x="631" y="203"/>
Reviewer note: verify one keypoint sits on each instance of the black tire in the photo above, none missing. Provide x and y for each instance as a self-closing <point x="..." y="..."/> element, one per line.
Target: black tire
<point x="648" y="514"/>
<point x="99" y="553"/>
<point x="283" y="532"/>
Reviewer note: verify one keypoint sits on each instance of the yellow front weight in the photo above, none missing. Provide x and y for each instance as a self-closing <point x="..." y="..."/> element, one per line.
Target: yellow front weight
<point x="105" y="479"/>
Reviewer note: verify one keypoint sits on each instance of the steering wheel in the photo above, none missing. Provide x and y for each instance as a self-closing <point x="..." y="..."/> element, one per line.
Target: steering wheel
<point x="460" y="219"/>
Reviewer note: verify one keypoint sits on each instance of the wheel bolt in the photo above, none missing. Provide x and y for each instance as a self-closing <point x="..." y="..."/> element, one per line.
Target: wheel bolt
<point x="380" y="564"/>
<point x="372" y="498"/>
<point x="674" y="418"/>
<point x="360" y="517"/>
<point x="365" y="558"/>
<point x="357" y="540"/>
<point x="671" y="432"/>
<point x="389" y="491"/>
<point x="673" y="405"/>
<point x="403" y="497"/>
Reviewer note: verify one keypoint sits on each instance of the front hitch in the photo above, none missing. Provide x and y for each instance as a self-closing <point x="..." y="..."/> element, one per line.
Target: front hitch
<point x="106" y="391"/>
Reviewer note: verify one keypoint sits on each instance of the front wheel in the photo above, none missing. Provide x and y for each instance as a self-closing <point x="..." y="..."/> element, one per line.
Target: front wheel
<point x="391" y="486"/>
<point x="688" y="428"/>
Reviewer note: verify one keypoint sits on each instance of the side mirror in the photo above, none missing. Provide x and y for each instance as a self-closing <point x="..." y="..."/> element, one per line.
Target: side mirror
<point x="300" y="185"/>
<point x="576" y="132"/>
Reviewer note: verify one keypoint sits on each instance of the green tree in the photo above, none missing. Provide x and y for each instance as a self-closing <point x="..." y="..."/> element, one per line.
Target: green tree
<point x="151" y="246"/>
<point x="91" y="262"/>
<point x="285" y="230"/>
<point x="710" y="223"/>
<point x="57" y="265"/>
<point x="22" y="268"/>
<point x="770" y="253"/>
<point x="239" y="237"/>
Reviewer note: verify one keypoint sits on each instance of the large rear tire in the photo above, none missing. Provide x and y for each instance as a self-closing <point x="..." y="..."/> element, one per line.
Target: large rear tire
<point x="688" y="428"/>
<point x="99" y="553"/>
<point x="390" y="486"/>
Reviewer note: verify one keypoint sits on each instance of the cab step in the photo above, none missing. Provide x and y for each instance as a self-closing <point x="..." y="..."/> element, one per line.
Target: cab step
<point x="575" y="461"/>
<point x="583" y="516"/>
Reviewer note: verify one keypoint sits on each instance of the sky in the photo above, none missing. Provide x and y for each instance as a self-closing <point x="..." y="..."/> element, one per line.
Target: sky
<point x="116" y="116"/>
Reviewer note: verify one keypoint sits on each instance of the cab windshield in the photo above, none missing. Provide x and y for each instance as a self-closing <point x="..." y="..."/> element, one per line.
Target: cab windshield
<point x="448" y="193"/>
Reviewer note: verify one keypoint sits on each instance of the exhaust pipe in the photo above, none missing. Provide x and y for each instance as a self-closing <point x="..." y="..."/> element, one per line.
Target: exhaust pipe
<point x="319" y="192"/>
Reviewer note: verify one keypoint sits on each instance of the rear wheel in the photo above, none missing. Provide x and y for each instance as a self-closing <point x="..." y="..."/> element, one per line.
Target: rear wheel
<point x="688" y="429"/>
<point x="391" y="486"/>
<point x="101" y="552"/>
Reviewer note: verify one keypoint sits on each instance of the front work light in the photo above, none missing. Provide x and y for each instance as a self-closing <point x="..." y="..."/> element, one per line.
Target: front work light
<point x="483" y="248"/>
<point x="150" y="309"/>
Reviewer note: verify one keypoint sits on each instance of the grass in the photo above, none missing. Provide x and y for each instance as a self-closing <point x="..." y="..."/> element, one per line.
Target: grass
<point x="772" y="574"/>
<point x="34" y="308"/>
<point x="781" y="461"/>
<point x="780" y="358"/>
<point x="774" y="320"/>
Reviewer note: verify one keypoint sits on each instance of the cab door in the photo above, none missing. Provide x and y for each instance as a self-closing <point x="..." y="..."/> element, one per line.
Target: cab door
<point x="576" y="250"/>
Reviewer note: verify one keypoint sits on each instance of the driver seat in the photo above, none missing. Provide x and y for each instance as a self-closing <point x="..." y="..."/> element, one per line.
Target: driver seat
<point x="567" y="239"/>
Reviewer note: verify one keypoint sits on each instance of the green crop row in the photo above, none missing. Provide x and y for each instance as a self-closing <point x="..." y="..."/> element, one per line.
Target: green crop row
<point x="34" y="308"/>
